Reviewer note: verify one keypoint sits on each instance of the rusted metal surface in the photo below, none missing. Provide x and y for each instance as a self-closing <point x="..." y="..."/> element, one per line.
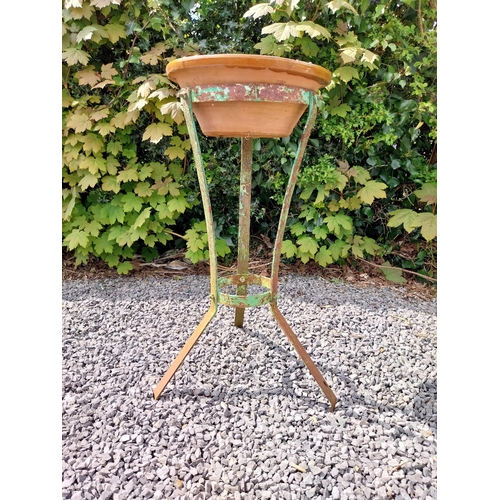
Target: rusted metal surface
<point x="251" y="92"/>
<point x="185" y="350"/>
<point x="327" y="391"/>
<point x="289" y="192"/>
<point x="244" y="225"/>
<point x="241" y="301"/>
<point x="186" y="105"/>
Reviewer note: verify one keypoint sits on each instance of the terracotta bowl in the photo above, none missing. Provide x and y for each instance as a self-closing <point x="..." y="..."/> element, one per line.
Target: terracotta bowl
<point x="247" y="95"/>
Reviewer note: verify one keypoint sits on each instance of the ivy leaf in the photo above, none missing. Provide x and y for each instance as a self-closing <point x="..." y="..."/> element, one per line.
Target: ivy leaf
<point x="124" y="267"/>
<point x="111" y="183"/>
<point x="142" y="218"/>
<point x="99" y="114"/>
<point x="93" y="227"/>
<point x="259" y="10"/>
<point x="73" y="56"/>
<point x="104" y="128"/>
<point x="336" y="222"/>
<point x="404" y="216"/>
<point x="75" y="4"/>
<point x="221" y="247"/>
<point x="288" y="249"/>
<point x="427" y="193"/>
<point x="93" y="165"/>
<point x="116" y="232"/>
<point x="370" y="246"/>
<point x="103" y="245"/>
<point x="156" y="131"/>
<point x="336" y="5"/>
<point x="428" y="223"/>
<point x="392" y="274"/>
<point x="88" y="76"/>
<point x="372" y="190"/>
<point x="307" y="244"/>
<point x="178" y="204"/>
<point x="112" y="165"/>
<point x="346" y="73"/>
<point x="113" y="213"/>
<point x="107" y="71"/>
<point x="89" y="180"/>
<point x="114" y="148"/>
<point x="297" y="228"/>
<point x="143" y="189"/>
<point x="320" y="232"/>
<point x="164" y="212"/>
<point x="340" y="110"/>
<point x="313" y="30"/>
<point x="175" y="152"/>
<point x="85" y="33"/>
<point x="348" y="54"/>
<point x="307" y="46"/>
<point x="79" y="122"/>
<point x="323" y="257"/>
<point x="282" y="31"/>
<point x="128" y="175"/>
<point x="92" y="143"/>
<point x="100" y="4"/>
<point x="174" y="110"/>
<point x="131" y="202"/>
<point x="115" y="31"/>
<point x="77" y="238"/>
<point x="339" y="249"/>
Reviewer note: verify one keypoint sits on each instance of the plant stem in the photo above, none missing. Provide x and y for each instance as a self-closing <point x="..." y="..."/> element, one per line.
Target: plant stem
<point x="401" y="269"/>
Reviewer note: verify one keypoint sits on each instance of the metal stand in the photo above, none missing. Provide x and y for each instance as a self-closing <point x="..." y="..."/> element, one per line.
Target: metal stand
<point x="243" y="278"/>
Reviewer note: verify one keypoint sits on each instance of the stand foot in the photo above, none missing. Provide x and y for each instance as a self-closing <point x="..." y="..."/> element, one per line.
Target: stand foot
<point x="327" y="391"/>
<point x="185" y="351"/>
<point x="238" y="317"/>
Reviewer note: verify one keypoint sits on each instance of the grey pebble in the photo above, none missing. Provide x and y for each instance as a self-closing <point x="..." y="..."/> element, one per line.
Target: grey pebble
<point x="243" y="408"/>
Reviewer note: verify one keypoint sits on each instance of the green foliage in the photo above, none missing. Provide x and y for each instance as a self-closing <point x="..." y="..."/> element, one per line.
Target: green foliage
<point x="129" y="183"/>
<point x="331" y="193"/>
<point x="411" y="219"/>
<point x="122" y="176"/>
<point x="379" y="112"/>
<point x="197" y="243"/>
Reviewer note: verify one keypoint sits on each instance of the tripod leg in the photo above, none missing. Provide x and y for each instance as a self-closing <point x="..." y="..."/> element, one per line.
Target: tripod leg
<point x="304" y="356"/>
<point x="185" y="351"/>
<point x="244" y="221"/>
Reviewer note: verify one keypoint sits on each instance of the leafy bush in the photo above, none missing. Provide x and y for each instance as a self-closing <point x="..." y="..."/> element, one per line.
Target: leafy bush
<point x="129" y="185"/>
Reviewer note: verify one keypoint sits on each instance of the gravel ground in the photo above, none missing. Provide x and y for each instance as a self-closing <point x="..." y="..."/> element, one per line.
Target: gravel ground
<point x="243" y="417"/>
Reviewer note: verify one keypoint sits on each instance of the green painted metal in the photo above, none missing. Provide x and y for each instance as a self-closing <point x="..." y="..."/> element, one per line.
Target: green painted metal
<point x="251" y="92"/>
<point x="244" y="224"/>
<point x="186" y="105"/>
<point x="278" y="242"/>
<point x="243" y="278"/>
